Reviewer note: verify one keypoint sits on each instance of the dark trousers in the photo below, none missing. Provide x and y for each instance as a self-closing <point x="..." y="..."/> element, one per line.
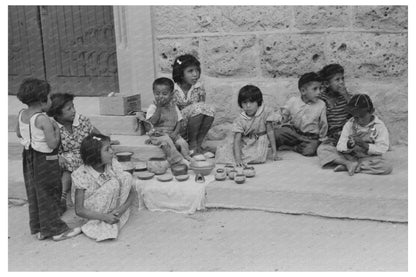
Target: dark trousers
<point x="303" y="144"/>
<point x="42" y="177"/>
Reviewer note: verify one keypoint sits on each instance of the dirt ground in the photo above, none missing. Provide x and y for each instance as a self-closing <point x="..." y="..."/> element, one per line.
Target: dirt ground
<point x="218" y="240"/>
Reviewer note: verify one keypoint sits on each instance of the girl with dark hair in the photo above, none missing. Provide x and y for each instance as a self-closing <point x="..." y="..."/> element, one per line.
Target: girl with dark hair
<point x="40" y="138"/>
<point x="250" y="143"/>
<point x="190" y="96"/>
<point x="103" y="191"/>
<point x="73" y="128"/>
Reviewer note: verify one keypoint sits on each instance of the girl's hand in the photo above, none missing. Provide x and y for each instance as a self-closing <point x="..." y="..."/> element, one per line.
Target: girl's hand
<point x="62" y="161"/>
<point x="111" y="218"/>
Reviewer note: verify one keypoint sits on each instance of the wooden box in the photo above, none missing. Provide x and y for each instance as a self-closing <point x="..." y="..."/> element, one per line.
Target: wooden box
<point x="120" y="105"/>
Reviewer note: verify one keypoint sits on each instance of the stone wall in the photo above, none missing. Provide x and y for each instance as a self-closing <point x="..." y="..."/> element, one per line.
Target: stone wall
<point x="271" y="46"/>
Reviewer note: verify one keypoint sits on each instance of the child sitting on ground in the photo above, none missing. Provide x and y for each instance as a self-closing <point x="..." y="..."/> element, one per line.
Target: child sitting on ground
<point x="364" y="139"/>
<point x="40" y="137"/>
<point x="73" y="128"/>
<point x="250" y="144"/>
<point x="335" y="96"/>
<point x="307" y="116"/>
<point x="103" y="191"/>
<point x="165" y="119"/>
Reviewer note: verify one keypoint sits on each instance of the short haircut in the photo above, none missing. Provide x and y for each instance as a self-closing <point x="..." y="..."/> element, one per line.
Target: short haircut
<point x="33" y="90"/>
<point x="330" y="70"/>
<point x="91" y="149"/>
<point x="360" y="101"/>
<point x="163" y="82"/>
<point x="307" y="78"/>
<point x="180" y="64"/>
<point x="59" y="100"/>
<point x="250" y="93"/>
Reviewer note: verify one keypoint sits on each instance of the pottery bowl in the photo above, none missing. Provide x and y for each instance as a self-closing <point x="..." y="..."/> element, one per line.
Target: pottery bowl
<point x="124" y="156"/>
<point x="203" y="167"/>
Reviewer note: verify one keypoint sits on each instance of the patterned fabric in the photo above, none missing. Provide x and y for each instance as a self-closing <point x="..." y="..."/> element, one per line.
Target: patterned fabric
<point x="71" y="142"/>
<point x="336" y="114"/>
<point x="253" y="146"/>
<point x="103" y="193"/>
<point x="308" y="117"/>
<point x="194" y="102"/>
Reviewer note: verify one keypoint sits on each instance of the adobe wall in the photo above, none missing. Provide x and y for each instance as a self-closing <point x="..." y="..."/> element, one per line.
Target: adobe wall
<point x="270" y="46"/>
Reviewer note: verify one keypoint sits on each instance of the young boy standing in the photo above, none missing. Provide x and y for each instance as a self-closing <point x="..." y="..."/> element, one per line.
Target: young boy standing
<point x="364" y="139"/>
<point x="307" y="117"/>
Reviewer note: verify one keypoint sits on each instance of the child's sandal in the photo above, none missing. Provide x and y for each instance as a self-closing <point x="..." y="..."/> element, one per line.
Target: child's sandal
<point x="67" y="234"/>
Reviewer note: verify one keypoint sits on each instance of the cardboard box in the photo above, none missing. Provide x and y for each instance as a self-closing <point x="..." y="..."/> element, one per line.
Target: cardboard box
<point x="120" y="105"/>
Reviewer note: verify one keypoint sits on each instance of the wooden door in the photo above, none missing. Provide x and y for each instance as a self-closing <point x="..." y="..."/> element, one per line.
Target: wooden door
<point x="79" y="50"/>
<point x="25" y="46"/>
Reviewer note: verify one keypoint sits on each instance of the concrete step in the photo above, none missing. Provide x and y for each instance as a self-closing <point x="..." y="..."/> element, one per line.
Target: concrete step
<point x="120" y="125"/>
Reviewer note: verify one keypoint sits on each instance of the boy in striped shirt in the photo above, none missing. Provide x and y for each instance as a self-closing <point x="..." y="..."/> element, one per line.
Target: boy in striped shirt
<point x="336" y="97"/>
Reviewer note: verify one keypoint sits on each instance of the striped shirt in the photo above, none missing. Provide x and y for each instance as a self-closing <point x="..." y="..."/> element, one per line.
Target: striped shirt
<point x="336" y="114"/>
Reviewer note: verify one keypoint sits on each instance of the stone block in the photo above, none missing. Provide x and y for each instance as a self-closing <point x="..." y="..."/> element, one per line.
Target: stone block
<point x="171" y="20"/>
<point x="168" y="49"/>
<point x="381" y="17"/>
<point x="241" y="18"/>
<point x="288" y="55"/>
<point x="229" y="56"/>
<point x="369" y="54"/>
<point x="321" y="17"/>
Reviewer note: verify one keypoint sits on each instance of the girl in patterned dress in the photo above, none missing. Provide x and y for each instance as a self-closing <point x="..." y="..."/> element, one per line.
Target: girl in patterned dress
<point x="253" y="130"/>
<point x="73" y="128"/>
<point x="40" y="137"/>
<point x="103" y="191"/>
<point x="190" y="96"/>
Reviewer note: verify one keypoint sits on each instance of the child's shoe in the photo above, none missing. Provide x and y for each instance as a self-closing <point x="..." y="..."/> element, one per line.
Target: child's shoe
<point x="67" y="234"/>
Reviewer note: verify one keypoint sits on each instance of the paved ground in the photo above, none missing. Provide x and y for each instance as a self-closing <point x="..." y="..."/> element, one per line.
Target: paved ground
<point x="218" y="240"/>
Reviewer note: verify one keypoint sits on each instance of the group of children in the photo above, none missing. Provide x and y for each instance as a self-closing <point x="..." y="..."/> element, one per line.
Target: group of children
<point x="324" y="120"/>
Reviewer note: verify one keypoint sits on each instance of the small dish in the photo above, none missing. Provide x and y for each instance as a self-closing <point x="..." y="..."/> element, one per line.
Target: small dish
<point x="209" y="155"/>
<point x="182" y="178"/>
<point x="145" y="175"/>
<point x="164" y="178"/>
<point x="199" y="157"/>
<point x="140" y="166"/>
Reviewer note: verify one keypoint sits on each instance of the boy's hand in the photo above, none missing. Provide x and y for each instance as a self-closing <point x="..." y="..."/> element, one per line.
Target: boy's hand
<point x="140" y="116"/>
<point x="111" y="218"/>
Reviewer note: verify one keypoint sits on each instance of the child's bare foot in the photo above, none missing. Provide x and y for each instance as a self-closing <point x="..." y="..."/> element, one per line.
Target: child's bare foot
<point x="351" y="166"/>
<point x="340" y="168"/>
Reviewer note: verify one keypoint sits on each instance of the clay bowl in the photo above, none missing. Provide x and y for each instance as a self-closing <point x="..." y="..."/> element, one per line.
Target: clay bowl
<point x="140" y="166"/>
<point x="157" y="165"/>
<point x="164" y="178"/>
<point x="203" y="167"/>
<point x="249" y="171"/>
<point x="220" y="174"/>
<point x="182" y="178"/>
<point x="179" y="169"/>
<point x="228" y="168"/>
<point x="124" y="156"/>
<point x="145" y="175"/>
<point x="240" y="178"/>
<point x="232" y="174"/>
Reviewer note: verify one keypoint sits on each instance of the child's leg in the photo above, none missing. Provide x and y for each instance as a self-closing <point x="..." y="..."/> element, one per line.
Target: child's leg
<point x="286" y="136"/>
<point x="346" y="162"/>
<point x="193" y="127"/>
<point x="203" y="130"/>
<point x="66" y="187"/>
<point x="47" y="185"/>
<point x="183" y="146"/>
<point x="169" y="148"/>
<point x="375" y="165"/>
<point x="307" y="147"/>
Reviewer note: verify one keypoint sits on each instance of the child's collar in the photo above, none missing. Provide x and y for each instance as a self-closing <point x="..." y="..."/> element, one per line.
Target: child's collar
<point x="75" y="122"/>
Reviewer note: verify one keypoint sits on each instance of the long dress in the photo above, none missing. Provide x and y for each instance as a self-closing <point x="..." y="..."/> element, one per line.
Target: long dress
<point x="254" y="140"/>
<point x="104" y="192"/>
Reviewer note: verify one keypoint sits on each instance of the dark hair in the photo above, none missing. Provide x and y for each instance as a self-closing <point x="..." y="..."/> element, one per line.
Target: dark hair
<point x="33" y="90"/>
<point x="163" y="82"/>
<point x="330" y="70"/>
<point x="91" y="149"/>
<point x="58" y="102"/>
<point x="180" y="64"/>
<point x="307" y="78"/>
<point x="250" y="93"/>
<point x="360" y="101"/>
